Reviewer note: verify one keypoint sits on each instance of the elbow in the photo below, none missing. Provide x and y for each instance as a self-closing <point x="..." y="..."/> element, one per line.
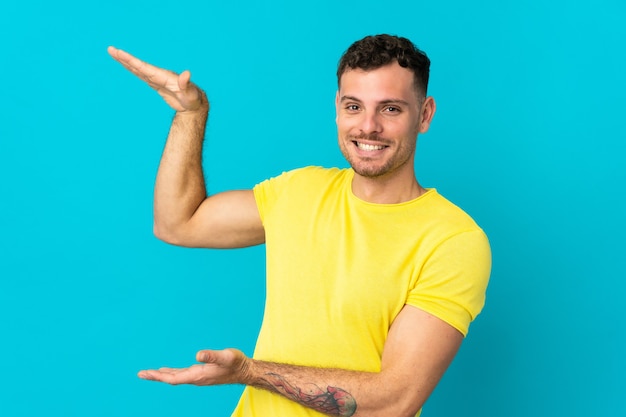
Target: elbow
<point x="166" y="234"/>
<point x="399" y="401"/>
<point x="407" y="402"/>
<point x="401" y="408"/>
<point x="397" y="409"/>
<point x="408" y="410"/>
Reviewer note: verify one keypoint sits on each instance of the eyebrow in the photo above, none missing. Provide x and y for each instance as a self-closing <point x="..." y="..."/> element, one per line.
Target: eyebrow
<point x="386" y="101"/>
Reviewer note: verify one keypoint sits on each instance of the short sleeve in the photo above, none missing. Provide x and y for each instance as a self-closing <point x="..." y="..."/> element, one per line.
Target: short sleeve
<point x="453" y="281"/>
<point x="267" y="192"/>
<point x="292" y="184"/>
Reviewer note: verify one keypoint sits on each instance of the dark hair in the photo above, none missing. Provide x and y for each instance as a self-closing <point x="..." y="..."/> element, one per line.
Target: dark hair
<point x="373" y="52"/>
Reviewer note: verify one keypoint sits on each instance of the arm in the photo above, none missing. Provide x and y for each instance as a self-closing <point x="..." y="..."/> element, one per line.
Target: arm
<point x="183" y="214"/>
<point x="417" y="352"/>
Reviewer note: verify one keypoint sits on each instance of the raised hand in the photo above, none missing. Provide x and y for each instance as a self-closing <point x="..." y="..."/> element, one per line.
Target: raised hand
<point x="227" y="366"/>
<point x="176" y="89"/>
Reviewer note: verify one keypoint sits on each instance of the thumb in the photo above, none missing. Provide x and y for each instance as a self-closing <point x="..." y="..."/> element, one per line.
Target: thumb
<point x="227" y="357"/>
<point x="183" y="80"/>
<point x="207" y="356"/>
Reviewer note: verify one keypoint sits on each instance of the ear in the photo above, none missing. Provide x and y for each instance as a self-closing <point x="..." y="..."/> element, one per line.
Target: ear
<point x="336" y="106"/>
<point x="427" y="113"/>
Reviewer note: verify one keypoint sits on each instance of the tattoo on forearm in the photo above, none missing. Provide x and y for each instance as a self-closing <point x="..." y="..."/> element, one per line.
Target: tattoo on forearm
<point x="333" y="401"/>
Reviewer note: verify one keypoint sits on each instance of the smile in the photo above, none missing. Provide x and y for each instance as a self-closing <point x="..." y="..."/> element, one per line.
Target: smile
<point x="368" y="147"/>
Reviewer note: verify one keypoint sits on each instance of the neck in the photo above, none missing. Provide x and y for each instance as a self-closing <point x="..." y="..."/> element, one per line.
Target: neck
<point x="386" y="190"/>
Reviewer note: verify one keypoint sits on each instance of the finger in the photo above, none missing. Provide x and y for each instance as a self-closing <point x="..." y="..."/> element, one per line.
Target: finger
<point x="183" y="80"/>
<point x="224" y="357"/>
<point x="159" y="376"/>
<point x="124" y="57"/>
<point x="150" y="375"/>
<point x="169" y="370"/>
<point x="207" y="356"/>
<point x="156" y="77"/>
<point x="112" y="50"/>
<point x="174" y="378"/>
<point x="191" y="375"/>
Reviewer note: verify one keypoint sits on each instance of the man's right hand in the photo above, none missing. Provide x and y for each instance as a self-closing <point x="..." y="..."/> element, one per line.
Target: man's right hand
<point x="176" y="89"/>
<point x="183" y="214"/>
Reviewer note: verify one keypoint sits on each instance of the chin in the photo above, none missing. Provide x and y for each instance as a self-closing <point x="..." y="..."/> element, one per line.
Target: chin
<point x="370" y="171"/>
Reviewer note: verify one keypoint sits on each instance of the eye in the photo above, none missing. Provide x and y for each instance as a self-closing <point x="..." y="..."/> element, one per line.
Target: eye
<point x="391" y="109"/>
<point x="352" y="107"/>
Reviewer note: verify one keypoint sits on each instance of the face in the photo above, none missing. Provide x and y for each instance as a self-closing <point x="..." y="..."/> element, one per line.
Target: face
<point x="379" y="115"/>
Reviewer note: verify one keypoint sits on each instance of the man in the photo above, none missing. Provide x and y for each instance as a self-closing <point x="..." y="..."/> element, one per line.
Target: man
<point x="372" y="280"/>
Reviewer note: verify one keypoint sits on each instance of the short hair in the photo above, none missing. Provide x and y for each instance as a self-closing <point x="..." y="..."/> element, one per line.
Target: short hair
<point x="373" y="52"/>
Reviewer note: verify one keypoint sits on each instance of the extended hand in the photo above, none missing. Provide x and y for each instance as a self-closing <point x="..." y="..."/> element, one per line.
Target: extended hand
<point x="227" y="366"/>
<point x="176" y="89"/>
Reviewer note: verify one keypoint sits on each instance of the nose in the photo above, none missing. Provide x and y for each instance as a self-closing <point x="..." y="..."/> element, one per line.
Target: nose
<point x="371" y="123"/>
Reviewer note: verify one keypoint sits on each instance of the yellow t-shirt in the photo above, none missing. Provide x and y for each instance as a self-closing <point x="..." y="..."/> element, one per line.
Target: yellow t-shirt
<point x="340" y="269"/>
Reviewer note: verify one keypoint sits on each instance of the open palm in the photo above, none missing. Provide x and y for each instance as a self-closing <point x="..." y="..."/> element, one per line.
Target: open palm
<point x="176" y="89"/>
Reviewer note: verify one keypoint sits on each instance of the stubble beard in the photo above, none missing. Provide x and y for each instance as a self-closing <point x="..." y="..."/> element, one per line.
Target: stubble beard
<point x="364" y="166"/>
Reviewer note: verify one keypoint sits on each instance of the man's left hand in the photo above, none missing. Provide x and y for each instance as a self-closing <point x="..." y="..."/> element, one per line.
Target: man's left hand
<point x="229" y="366"/>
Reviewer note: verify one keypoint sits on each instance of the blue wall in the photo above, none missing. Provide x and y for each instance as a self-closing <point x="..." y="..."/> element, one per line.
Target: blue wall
<point x="528" y="138"/>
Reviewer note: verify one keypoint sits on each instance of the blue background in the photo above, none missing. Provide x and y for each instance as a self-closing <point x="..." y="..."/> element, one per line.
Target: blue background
<point x="528" y="138"/>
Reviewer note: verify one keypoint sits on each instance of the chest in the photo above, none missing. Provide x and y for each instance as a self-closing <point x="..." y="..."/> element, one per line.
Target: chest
<point x="329" y="259"/>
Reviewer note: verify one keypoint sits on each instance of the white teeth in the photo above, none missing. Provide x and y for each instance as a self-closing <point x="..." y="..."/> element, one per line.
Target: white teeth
<point x="367" y="147"/>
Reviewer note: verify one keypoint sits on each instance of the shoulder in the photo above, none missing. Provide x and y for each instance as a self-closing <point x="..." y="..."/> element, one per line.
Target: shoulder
<point x="315" y="173"/>
<point x="310" y="176"/>
<point x="453" y="279"/>
<point x="297" y="185"/>
<point x="445" y="213"/>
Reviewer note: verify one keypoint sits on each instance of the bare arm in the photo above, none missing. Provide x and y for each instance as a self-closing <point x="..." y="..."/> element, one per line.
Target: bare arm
<point x="183" y="214"/>
<point x="417" y="352"/>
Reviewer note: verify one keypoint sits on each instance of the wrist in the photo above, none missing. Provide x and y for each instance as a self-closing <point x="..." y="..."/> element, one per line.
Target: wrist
<point x="201" y="108"/>
<point x="247" y="371"/>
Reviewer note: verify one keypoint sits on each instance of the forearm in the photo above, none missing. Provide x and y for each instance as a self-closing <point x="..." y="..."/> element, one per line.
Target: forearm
<point x="180" y="187"/>
<point x="335" y="392"/>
